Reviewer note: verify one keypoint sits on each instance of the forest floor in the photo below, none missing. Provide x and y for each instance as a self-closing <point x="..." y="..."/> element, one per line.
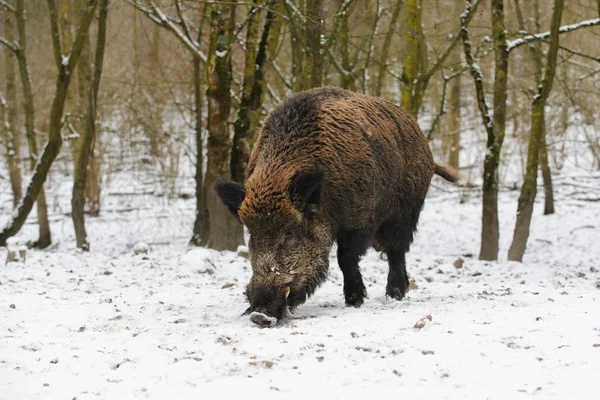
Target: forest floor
<point x="114" y="325"/>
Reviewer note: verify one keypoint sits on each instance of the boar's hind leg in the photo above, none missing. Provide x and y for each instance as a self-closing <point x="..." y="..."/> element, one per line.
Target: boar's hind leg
<point x="397" y="283"/>
<point x="395" y="237"/>
<point x="351" y="246"/>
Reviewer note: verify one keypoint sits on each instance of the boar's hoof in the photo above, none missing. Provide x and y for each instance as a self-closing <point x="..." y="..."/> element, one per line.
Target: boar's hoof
<point x="356" y="296"/>
<point x="263" y="320"/>
<point x="395" y="291"/>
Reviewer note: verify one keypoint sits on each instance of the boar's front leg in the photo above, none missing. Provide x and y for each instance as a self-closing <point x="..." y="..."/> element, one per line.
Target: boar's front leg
<point x="351" y="246"/>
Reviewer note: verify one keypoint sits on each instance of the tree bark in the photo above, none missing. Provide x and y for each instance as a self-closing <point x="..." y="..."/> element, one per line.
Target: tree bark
<point x="246" y="125"/>
<point x="10" y="128"/>
<point x="314" y="56"/>
<point x="226" y="232"/>
<point x="529" y="188"/>
<point x="65" y="65"/>
<point x="87" y="140"/>
<point x="45" y="237"/>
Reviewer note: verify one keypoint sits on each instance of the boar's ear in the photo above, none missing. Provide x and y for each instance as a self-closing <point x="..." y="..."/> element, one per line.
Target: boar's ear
<point x="305" y="191"/>
<point x="231" y="194"/>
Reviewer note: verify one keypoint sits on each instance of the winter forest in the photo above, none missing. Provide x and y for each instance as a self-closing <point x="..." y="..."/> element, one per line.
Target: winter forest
<point x="123" y="274"/>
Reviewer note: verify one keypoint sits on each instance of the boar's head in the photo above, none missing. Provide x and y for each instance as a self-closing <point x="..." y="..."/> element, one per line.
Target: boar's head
<point x="289" y="243"/>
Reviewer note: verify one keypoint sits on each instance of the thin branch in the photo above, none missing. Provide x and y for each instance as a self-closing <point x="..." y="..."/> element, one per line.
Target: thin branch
<point x="5" y="6"/>
<point x="513" y="44"/>
<point x="160" y="18"/>
<point x="465" y="19"/>
<point x="597" y="59"/>
<point x="442" y="111"/>
<point x="8" y="44"/>
<point x="337" y="23"/>
<point x="279" y="72"/>
<point x="186" y="28"/>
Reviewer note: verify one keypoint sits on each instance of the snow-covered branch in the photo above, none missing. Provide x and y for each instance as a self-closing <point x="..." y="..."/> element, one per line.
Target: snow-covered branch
<point x="8" y="44"/>
<point x="184" y="23"/>
<point x="513" y="44"/>
<point x="5" y="6"/>
<point x="159" y="17"/>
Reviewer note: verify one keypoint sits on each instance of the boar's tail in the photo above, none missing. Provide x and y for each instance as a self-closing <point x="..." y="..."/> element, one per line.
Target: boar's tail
<point x="447" y="173"/>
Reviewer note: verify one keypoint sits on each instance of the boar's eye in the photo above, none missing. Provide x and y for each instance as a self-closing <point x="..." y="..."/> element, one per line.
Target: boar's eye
<point x="291" y="236"/>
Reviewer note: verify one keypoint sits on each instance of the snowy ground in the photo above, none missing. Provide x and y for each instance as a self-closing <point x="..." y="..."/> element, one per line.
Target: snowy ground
<point x="114" y="325"/>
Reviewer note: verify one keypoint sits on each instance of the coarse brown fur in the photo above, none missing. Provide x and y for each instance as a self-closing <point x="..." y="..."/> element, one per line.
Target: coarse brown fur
<point x="330" y="166"/>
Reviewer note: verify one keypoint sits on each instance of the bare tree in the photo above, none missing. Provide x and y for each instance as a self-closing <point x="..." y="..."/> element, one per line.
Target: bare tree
<point x="11" y="133"/>
<point x="536" y="56"/>
<point x="89" y="135"/>
<point x="314" y="57"/>
<point x="416" y="73"/>
<point x="253" y="88"/>
<point x="385" y="49"/>
<point x="451" y="136"/>
<point x="225" y="231"/>
<point x="495" y="127"/>
<point x="45" y="237"/>
<point x="529" y="188"/>
<point x="65" y="64"/>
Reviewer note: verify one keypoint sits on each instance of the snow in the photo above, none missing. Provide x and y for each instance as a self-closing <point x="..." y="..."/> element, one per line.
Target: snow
<point x="112" y="324"/>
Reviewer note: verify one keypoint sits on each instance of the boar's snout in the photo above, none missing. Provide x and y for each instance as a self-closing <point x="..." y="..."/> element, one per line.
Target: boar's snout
<point x="262" y="319"/>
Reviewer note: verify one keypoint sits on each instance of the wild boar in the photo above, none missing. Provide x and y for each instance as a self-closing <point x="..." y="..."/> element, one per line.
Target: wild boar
<point x="329" y="166"/>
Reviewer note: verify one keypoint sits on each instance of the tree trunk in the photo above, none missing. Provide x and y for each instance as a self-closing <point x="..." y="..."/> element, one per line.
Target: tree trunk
<point x="385" y="49"/>
<point x="45" y="237"/>
<point x="156" y="122"/>
<point x="490" y="233"/>
<point x="314" y="58"/>
<point x="347" y="79"/>
<point x="451" y="138"/>
<point x="371" y="49"/>
<point x="201" y="223"/>
<point x="240" y="149"/>
<point x="87" y="140"/>
<point x="536" y="55"/>
<point x="246" y="125"/>
<point x="65" y="68"/>
<point x="410" y="68"/>
<point x="226" y="232"/>
<point x="84" y="79"/>
<point x="546" y="174"/>
<point x="297" y="38"/>
<point x="529" y="188"/>
<point x="10" y="129"/>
